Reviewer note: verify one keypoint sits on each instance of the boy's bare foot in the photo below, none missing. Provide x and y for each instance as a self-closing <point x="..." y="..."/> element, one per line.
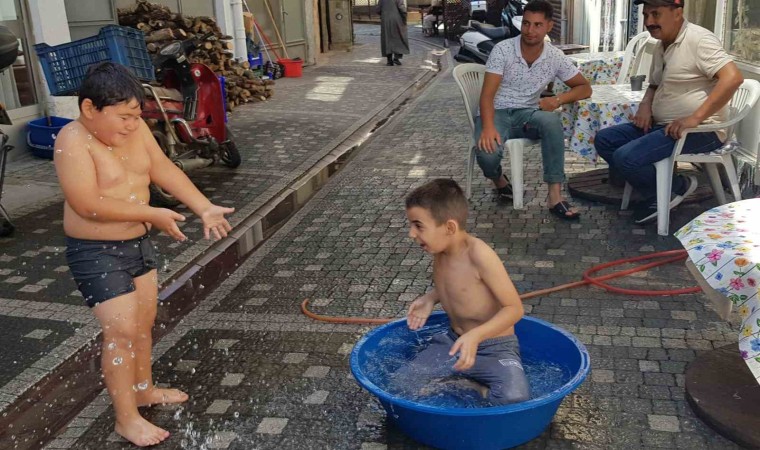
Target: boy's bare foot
<point x="158" y="396"/>
<point x="141" y="432"/>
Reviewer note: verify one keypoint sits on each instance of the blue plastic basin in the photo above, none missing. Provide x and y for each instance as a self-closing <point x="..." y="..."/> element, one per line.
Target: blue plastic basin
<point x="474" y="428"/>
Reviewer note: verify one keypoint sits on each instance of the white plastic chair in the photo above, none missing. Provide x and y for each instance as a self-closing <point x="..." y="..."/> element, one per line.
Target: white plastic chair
<point x="638" y="57"/>
<point x="469" y="78"/>
<point x="742" y="102"/>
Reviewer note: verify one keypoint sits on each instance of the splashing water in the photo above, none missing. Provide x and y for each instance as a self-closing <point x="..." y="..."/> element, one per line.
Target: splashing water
<point x="112" y="346"/>
<point x="440" y="385"/>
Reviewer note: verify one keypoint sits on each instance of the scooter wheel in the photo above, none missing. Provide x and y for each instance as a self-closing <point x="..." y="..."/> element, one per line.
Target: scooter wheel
<point x="162" y="199"/>
<point x="230" y="154"/>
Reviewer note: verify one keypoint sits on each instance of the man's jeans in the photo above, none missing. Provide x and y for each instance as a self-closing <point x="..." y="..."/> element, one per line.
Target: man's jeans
<point x="630" y="151"/>
<point x="526" y="123"/>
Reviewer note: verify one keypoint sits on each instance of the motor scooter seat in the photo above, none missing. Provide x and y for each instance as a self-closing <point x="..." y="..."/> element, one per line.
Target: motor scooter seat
<point x="168" y="94"/>
<point x="495" y="33"/>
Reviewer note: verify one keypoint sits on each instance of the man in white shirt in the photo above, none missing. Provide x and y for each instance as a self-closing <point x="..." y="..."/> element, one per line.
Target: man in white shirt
<point x="692" y="79"/>
<point x="517" y="71"/>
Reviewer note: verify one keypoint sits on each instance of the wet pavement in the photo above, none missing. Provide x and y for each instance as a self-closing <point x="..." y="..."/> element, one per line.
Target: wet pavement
<point x="261" y="375"/>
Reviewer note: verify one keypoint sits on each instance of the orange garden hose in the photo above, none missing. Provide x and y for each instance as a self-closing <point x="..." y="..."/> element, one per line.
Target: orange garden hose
<point x="667" y="257"/>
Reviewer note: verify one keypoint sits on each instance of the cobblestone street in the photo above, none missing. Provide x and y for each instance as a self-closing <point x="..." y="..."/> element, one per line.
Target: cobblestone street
<point x="261" y="375"/>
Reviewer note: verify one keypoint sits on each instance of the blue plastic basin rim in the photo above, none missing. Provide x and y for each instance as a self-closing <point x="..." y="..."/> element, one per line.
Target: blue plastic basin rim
<point x="550" y="397"/>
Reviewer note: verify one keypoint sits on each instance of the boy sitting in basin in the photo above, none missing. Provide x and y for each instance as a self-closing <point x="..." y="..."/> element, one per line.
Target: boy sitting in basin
<point x="473" y="288"/>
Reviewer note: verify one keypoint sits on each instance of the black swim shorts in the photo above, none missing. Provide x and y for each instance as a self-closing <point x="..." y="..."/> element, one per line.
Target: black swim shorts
<point x="106" y="269"/>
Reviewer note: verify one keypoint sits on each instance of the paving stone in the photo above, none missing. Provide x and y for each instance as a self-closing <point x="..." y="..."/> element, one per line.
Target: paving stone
<point x="224" y="344"/>
<point x="649" y="366"/>
<point x="294" y="358"/>
<point x="219" y="407"/>
<point x="664" y="423"/>
<point x="38" y="334"/>
<point x="232" y="379"/>
<point x="272" y="425"/>
<point x="317" y="398"/>
<point x="316" y="372"/>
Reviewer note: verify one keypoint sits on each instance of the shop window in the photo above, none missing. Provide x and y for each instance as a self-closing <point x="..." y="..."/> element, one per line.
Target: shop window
<point x="16" y="82"/>
<point x="741" y="34"/>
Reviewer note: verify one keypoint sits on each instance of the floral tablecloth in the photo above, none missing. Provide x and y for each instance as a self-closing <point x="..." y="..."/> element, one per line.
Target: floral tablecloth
<point x="597" y="68"/>
<point x="724" y="245"/>
<point x="609" y="105"/>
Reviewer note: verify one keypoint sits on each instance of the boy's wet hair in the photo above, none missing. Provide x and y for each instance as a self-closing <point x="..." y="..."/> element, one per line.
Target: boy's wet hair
<point x="443" y="198"/>
<point x="108" y="84"/>
<point x="541" y="6"/>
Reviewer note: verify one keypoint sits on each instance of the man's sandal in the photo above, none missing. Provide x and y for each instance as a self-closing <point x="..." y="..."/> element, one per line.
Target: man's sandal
<point x="562" y="208"/>
<point x="505" y="192"/>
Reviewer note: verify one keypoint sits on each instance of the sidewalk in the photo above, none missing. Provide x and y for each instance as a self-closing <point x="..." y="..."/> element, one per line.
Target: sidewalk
<point x="43" y="321"/>
<point x="260" y="375"/>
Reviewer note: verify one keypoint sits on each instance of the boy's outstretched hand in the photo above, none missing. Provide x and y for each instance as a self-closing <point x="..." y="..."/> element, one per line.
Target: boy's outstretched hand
<point x="418" y="313"/>
<point x="467" y="346"/>
<point x="214" y="221"/>
<point x="166" y="221"/>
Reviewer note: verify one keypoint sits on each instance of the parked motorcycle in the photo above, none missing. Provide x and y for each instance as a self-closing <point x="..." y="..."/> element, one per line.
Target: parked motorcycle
<point x="189" y="114"/>
<point x="480" y="38"/>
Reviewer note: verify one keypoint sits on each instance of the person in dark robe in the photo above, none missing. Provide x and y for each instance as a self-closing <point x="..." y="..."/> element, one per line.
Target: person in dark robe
<point x="393" y="37"/>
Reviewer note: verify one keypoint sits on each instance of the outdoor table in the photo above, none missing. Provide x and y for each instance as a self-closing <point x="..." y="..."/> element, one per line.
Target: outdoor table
<point x="608" y="105"/>
<point x="724" y="246"/>
<point x="598" y="68"/>
<point x="724" y="256"/>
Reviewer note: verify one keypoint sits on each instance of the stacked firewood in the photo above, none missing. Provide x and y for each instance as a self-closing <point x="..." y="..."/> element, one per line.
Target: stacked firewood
<point x="162" y="26"/>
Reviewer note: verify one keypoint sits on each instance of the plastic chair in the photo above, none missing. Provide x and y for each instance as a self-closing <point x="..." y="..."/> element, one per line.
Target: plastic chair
<point x="742" y="102"/>
<point x="638" y="57"/>
<point x="469" y="78"/>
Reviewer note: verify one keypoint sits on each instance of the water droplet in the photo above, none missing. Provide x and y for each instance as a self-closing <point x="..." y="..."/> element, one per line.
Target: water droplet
<point x="192" y="370"/>
<point x="201" y="286"/>
<point x="54" y="135"/>
<point x="237" y="414"/>
<point x="118" y="360"/>
<point x="143" y="386"/>
<point x="109" y="149"/>
<point x="112" y="346"/>
<point x="132" y="197"/>
<point x="59" y="150"/>
<point x="89" y="137"/>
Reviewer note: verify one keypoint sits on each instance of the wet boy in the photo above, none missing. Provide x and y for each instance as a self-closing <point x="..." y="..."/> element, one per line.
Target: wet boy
<point x="105" y="162"/>
<point x="473" y="287"/>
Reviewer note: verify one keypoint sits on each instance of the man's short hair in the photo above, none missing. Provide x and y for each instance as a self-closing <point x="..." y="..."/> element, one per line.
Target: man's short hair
<point x="443" y="198"/>
<point x="541" y="6"/>
<point x="108" y="84"/>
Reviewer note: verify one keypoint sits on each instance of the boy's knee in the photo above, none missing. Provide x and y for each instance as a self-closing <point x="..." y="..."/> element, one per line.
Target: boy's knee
<point x="507" y="394"/>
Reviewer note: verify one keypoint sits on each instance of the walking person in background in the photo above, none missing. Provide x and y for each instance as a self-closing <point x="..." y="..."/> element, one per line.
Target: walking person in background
<point x="393" y="37"/>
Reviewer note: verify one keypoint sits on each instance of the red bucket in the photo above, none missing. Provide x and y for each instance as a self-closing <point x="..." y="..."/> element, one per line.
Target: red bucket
<point x="293" y="67"/>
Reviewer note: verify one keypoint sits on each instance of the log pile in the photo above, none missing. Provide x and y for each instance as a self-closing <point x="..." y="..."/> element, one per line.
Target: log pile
<point x="162" y="26"/>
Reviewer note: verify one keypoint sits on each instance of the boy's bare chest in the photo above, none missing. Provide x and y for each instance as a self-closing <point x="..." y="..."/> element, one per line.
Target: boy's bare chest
<point x="457" y="280"/>
<point x="120" y="167"/>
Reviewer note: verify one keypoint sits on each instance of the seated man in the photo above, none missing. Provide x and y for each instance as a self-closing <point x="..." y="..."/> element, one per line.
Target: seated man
<point x="518" y="70"/>
<point x="694" y="87"/>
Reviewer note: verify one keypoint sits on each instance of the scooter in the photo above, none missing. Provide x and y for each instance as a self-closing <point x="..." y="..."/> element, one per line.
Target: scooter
<point x="188" y="114"/>
<point x="480" y="38"/>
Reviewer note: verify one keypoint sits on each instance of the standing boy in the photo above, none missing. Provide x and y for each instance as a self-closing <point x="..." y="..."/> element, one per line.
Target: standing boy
<point x="105" y="162"/>
<point x="473" y="287"/>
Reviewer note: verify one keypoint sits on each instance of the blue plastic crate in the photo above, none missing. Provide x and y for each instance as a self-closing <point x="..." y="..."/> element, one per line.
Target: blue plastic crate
<point x="65" y="65"/>
<point x="255" y="61"/>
